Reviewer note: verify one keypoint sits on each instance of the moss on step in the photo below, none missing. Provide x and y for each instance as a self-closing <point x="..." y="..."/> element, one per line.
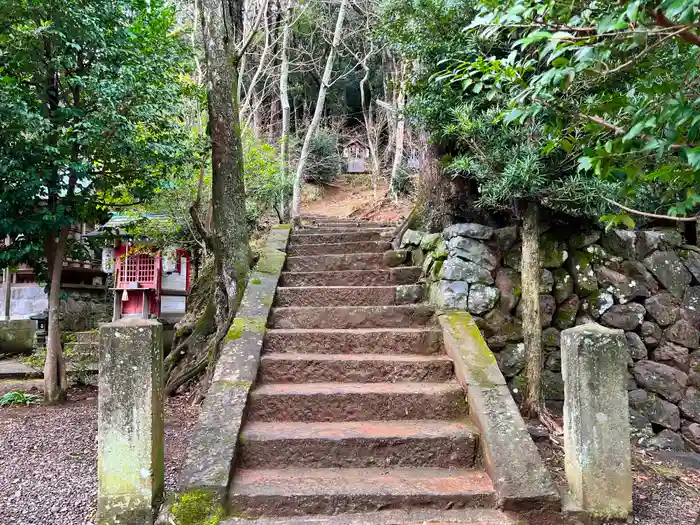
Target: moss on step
<point x="472" y="348"/>
<point x="252" y="324"/>
<point x="197" y="507"/>
<point x="271" y="261"/>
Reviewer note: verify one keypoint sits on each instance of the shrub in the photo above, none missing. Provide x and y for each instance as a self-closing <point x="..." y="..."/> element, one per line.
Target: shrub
<point x="324" y="162"/>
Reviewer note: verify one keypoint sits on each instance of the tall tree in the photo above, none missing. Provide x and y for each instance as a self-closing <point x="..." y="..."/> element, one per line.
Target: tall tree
<point x="284" y="98"/>
<point x="90" y="97"/>
<point x="318" y="112"/>
<point x="225" y="39"/>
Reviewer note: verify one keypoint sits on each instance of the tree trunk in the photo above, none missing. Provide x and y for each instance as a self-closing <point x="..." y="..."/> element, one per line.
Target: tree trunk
<point x="532" y="326"/>
<point x="399" y="134"/>
<point x="55" y="378"/>
<point x="370" y="131"/>
<point x="318" y="113"/>
<point x="284" y="99"/>
<point x="221" y="30"/>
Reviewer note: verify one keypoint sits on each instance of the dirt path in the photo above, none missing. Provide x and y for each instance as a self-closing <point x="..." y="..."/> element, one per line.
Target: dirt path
<point x="48" y="461"/>
<point x="355" y="198"/>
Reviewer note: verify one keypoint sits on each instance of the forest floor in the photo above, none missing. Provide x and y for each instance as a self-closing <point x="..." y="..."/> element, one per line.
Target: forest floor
<point x="666" y="484"/>
<point x="48" y="458"/>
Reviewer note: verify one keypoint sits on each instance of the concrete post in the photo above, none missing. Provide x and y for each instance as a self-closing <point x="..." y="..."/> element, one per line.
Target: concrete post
<point x="130" y="431"/>
<point x="596" y="420"/>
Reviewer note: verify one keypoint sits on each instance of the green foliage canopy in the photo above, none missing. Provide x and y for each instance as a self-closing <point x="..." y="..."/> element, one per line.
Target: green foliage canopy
<point x="615" y="85"/>
<point x="90" y="113"/>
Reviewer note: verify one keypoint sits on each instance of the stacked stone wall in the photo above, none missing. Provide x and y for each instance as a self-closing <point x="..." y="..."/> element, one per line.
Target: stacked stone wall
<point x="646" y="283"/>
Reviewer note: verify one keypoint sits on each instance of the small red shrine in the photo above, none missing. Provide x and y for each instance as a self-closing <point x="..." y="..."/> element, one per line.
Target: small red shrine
<point x="148" y="283"/>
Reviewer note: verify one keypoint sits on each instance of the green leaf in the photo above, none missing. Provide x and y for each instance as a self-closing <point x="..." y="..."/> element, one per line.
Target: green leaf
<point x="585" y="164"/>
<point x="634" y="131"/>
<point x="535" y="36"/>
<point x="693" y="156"/>
<point x="512" y="115"/>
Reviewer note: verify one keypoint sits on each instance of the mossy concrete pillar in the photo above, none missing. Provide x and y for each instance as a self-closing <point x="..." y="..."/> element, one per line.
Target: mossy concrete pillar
<point x="596" y="420"/>
<point x="130" y="431"/>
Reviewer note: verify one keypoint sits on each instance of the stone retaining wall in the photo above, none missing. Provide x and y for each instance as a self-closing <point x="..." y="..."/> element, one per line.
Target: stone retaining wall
<point x="644" y="282"/>
<point x="80" y="310"/>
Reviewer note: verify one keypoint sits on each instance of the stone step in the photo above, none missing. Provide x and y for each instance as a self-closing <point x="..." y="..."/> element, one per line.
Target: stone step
<point x="421" y="443"/>
<point x="394" y="517"/>
<point x="329" y="238"/>
<point x="401" y="275"/>
<point x="404" y="316"/>
<point x="316" y="230"/>
<point x="336" y="296"/>
<point x="298" y="491"/>
<point x="423" y="341"/>
<point x="340" y="247"/>
<point x="347" y="223"/>
<point x="87" y="337"/>
<point x="353" y="368"/>
<point x="356" y="401"/>
<point x="83" y="350"/>
<point x="342" y="261"/>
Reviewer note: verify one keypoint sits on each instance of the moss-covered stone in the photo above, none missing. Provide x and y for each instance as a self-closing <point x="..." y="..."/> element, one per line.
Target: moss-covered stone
<point x="475" y="361"/>
<point x="553" y="252"/>
<point x="281" y="227"/>
<point x="255" y="281"/>
<point x="393" y="258"/>
<point x="430" y="241"/>
<point x="271" y="261"/>
<point x="241" y="324"/>
<point x="585" y="281"/>
<point x="436" y="271"/>
<point x="197" y="507"/>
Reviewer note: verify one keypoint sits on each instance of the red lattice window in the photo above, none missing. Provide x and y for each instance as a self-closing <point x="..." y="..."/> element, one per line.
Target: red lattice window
<point x="140" y="269"/>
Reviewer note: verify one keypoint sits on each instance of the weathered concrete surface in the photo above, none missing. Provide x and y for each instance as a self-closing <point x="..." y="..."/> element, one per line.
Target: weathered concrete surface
<point x="16" y="335"/>
<point x="402" y="316"/>
<point x="401" y="275"/>
<point x="298" y="491"/>
<point x="511" y="458"/>
<point x="395" y="517"/>
<point x="340" y="247"/>
<point x="333" y="238"/>
<point x="214" y="441"/>
<point x="596" y="420"/>
<point x="130" y="432"/>
<point x="420" y="341"/>
<point x="442" y="444"/>
<point x="343" y="261"/>
<point x="16" y="369"/>
<point x="356" y="402"/>
<point x="336" y="296"/>
<point x="353" y="368"/>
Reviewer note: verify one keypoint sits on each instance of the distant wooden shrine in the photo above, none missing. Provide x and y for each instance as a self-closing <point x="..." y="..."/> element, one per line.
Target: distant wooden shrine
<point x="355" y="154"/>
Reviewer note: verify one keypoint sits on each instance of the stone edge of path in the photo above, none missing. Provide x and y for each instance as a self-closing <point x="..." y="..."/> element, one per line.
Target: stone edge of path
<point x="206" y="472"/>
<point x="519" y="476"/>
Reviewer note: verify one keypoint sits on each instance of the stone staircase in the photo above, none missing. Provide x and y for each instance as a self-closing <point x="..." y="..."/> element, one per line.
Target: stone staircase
<point x="356" y="417"/>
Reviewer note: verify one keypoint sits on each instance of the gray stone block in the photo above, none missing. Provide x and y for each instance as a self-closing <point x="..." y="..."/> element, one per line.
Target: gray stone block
<point x="130" y="422"/>
<point x="596" y="420"/>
